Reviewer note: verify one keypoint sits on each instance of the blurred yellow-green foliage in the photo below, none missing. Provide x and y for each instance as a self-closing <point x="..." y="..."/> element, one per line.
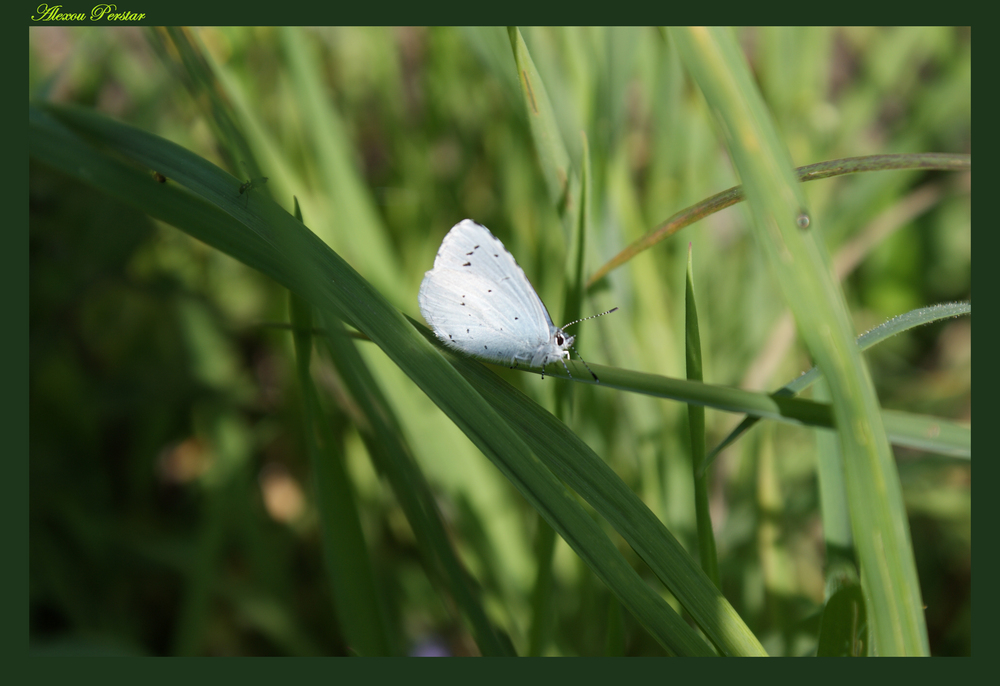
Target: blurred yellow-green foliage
<point x="171" y="501"/>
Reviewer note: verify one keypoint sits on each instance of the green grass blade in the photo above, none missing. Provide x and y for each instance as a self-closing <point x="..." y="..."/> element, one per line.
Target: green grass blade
<point x="575" y="463"/>
<point x="272" y="241"/>
<point x="908" y="431"/>
<point x="563" y="185"/>
<point x="931" y="434"/>
<point x="541" y="594"/>
<point x="844" y="627"/>
<point x="352" y="582"/>
<point x="545" y="544"/>
<point x="905" y="429"/>
<point x="383" y="437"/>
<point x="197" y="73"/>
<point x="810" y="172"/>
<point x="843" y="630"/>
<point x="696" y="429"/>
<point x="213" y="210"/>
<point x="795" y="257"/>
<point x="357" y="233"/>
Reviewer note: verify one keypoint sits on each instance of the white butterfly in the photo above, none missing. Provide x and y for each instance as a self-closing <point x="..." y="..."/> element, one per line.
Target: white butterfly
<point x="478" y="300"/>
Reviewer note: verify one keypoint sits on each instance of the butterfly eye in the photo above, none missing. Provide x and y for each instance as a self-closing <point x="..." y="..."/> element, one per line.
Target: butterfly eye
<point x="559" y="339"/>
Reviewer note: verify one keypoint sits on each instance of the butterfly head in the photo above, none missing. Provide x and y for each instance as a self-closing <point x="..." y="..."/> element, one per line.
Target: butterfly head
<point x="556" y="349"/>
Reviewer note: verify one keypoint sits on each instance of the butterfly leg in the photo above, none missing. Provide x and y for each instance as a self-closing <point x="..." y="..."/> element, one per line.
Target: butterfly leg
<point x="585" y="365"/>
<point x="565" y="367"/>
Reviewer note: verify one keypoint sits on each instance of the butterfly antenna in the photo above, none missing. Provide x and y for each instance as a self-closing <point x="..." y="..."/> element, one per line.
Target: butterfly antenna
<point x="593" y="316"/>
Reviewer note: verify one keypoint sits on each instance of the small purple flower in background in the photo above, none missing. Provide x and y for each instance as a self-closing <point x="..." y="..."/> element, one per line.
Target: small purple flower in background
<point x="430" y="647"/>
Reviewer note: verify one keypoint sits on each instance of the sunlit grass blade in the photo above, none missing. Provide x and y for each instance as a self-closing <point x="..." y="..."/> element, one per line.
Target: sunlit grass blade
<point x="903" y="322"/>
<point x="357" y="231"/>
<point x="810" y="172"/>
<point x="843" y="628"/>
<point x="795" y="256"/>
<point x="562" y="182"/>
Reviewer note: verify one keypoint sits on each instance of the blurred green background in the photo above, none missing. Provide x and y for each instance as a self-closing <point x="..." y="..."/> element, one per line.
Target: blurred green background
<point x="171" y="501"/>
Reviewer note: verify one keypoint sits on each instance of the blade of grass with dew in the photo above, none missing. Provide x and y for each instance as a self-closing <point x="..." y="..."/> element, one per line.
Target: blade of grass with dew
<point x="878" y="515"/>
<point x="906" y="429"/>
<point x="272" y="241"/>
<point x="903" y="322"/>
<point x="810" y="172"/>
<point x="352" y="581"/>
<point x="696" y="429"/>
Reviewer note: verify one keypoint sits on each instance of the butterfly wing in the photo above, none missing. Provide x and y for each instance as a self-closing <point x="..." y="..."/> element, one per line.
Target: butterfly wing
<point x="478" y="300"/>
